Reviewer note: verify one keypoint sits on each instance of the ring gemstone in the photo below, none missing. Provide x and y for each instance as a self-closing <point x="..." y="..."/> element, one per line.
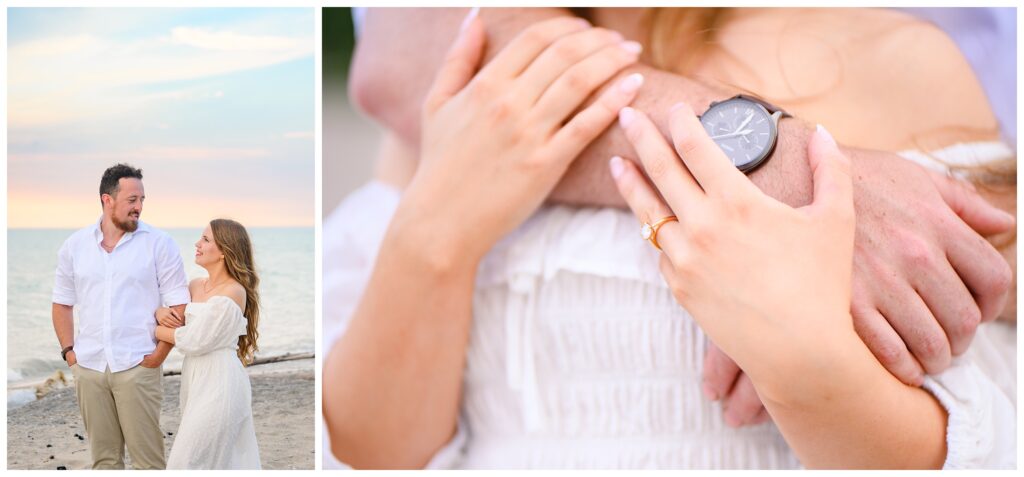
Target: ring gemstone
<point x="647" y="231"/>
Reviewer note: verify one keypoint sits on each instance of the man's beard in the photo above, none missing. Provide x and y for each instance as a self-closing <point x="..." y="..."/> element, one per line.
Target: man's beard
<point x="127" y="226"/>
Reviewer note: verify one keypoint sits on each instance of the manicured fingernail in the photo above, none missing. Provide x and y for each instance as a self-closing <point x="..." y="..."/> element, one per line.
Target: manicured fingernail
<point x="824" y="132"/>
<point x="616" y="166"/>
<point x="632" y="47"/>
<point x="626" y="116"/>
<point x="583" y="22"/>
<point x="631" y="83"/>
<point x="676" y="107"/>
<point x="473" y="12"/>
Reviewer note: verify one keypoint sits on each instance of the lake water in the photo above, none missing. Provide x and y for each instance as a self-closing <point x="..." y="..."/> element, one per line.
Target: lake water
<point x="284" y="260"/>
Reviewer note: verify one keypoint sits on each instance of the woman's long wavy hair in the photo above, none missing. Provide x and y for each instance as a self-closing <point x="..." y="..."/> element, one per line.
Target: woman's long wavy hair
<point x="233" y="241"/>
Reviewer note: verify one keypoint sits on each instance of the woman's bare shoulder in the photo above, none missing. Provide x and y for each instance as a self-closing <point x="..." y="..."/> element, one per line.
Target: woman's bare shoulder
<point x="194" y="285"/>
<point x="236" y="292"/>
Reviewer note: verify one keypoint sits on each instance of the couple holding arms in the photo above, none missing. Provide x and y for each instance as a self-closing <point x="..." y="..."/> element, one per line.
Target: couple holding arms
<point x="127" y="281"/>
<point x="528" y="334"/>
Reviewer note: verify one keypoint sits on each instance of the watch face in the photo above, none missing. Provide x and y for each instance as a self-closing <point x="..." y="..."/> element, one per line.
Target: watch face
<point x="743" y="129"/>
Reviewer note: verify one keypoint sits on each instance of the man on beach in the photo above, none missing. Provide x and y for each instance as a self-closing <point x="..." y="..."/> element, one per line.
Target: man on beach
<point x="117" y="272"/>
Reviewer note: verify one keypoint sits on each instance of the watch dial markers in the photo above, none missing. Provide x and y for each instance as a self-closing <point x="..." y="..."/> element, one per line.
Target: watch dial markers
<point x="741" y="128"/>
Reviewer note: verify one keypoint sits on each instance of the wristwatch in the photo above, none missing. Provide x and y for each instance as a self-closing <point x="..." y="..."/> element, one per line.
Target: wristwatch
<point x="64" y="353"/>
<point x="746" y="128"/>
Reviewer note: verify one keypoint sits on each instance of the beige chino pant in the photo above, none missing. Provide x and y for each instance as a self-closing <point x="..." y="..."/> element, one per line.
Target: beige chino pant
<point x="121" y="409"/>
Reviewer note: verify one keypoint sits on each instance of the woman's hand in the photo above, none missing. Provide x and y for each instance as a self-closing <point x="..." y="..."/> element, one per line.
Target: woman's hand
<point x="169" y="317"/>
<point x="761" y="278"/>
<point x="495" y="143"/>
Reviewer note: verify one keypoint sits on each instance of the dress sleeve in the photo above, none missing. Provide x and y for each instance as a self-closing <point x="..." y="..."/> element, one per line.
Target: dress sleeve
<point x="64" y="283"/>
<point x="210" y="326"/>
<point x="981" y="431"/>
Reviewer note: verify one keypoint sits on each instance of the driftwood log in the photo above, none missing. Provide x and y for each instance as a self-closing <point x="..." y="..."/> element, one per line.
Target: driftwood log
<point x="258" y="361"/>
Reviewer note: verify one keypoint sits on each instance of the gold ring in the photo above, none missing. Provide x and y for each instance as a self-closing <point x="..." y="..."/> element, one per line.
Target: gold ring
<point x="650" y="231"/>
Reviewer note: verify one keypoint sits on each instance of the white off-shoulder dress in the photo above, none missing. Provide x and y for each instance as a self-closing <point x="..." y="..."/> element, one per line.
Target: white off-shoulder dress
<point x="579" y="356"/>
<point x="217" y="430"/>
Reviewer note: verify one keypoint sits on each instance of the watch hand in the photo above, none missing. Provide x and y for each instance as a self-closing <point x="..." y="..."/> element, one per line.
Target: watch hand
<point x="746" y="121"/>
<point x="732" y="134"/>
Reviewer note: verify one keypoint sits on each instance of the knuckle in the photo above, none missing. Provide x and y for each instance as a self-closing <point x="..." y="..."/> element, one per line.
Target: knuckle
<point x="580" y="131"/>
<point x="686" y="144"/>
<point x="536" y="36"/>
<point x="577" y="79"/>
<point x="970" y="319"/>
<point x="1002" y="277"/>
<point x="656" y="167"/>
<point x="918" y="253"/>
<point x="740" y="209"/>
<point x="934" y="348"/>
<point x="567" y="50"/>
<point x="481" y="90"/>
<point x="701" y="238"/>
<point x="501" y="110"/>
<point x="889" y="353"/>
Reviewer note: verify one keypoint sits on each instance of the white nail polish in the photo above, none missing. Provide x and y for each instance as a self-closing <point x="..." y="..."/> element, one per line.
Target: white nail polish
<point x="632" y="47"/>
<point x="626" y="116"/>
<point x="631" y="83"/>
<point x="473" y="12"/>
<point x="826" y="134"/>
<point x="616" y="166"/>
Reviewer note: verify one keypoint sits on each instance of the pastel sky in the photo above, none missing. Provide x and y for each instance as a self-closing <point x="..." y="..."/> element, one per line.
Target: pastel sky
<point x="216" y="106"/>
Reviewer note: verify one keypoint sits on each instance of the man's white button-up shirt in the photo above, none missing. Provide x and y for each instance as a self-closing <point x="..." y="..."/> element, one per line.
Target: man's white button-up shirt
<point x="117" y="293"/>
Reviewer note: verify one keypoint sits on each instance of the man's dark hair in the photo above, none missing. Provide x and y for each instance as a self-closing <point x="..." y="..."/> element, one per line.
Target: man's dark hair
<point x="110" y="183"/>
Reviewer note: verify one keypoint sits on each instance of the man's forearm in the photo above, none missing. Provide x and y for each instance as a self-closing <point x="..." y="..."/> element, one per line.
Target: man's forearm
<point x="786" y="176"/>
<point x="64" y="324"/>
<point x="392" y="91"/>
<point x="163" y="348"/>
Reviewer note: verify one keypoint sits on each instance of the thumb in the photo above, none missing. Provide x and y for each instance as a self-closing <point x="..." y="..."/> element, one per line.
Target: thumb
<point x="975" y="211"/>
<point x="461" y="62"/>
<point x="833" y="186"/>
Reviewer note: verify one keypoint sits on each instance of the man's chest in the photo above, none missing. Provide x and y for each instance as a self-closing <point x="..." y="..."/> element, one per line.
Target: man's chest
<point x="128" y="264"/>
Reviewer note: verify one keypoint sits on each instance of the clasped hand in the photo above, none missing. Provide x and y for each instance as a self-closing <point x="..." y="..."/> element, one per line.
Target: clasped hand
<point x="169" y="317"/>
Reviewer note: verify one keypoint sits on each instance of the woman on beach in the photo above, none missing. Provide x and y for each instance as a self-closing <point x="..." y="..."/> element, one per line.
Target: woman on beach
<point x="218" y="337"/>
<point x="561" y="345"/>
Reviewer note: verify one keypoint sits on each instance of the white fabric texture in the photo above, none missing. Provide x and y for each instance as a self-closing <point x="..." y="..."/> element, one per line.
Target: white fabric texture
<point x="217" y="429"/>
<point x="115" y="294"/>
<point x="579" y="356"/>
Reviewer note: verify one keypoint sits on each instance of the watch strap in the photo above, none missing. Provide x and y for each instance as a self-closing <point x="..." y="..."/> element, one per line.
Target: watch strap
<point x="769" y="106"/>
<point x="64" y="352"/>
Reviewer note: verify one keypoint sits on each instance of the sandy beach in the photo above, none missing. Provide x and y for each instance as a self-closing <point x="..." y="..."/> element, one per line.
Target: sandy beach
<point x="48" y="433"/>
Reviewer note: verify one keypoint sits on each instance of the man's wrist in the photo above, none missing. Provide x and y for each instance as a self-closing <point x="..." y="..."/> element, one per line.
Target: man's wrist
<point x="786" y="176"/>
<point x="64" y="352"/>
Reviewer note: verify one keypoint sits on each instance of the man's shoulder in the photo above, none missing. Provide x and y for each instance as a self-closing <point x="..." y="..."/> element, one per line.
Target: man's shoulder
<point x="155" y="234"/>
<point x="84" y="233"/>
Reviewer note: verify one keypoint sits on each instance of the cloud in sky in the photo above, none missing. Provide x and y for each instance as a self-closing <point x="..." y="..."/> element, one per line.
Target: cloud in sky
<point x="208" y="91"/>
